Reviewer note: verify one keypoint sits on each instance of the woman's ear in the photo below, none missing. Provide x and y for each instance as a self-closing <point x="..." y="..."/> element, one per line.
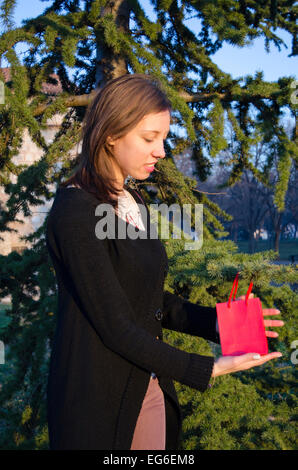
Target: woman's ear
<point x="110" y="141"/>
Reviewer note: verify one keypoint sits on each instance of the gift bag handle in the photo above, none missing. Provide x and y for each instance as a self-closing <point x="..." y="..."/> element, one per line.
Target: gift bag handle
<point x="248" y="292"/>
<point x="235" y="287"/>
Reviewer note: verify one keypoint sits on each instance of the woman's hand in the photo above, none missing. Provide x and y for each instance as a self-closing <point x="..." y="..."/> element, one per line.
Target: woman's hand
<point x="266" y="312"/>
<point x="230" y="364"/>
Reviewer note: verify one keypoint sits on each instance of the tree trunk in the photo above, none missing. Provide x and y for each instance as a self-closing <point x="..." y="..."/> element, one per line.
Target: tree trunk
<point x="251" y="242"/>
<point x="276" y="240"/>
<point x="236" y="232"/>
<point x="109" y="64"/>
<point x="277" y="232"/>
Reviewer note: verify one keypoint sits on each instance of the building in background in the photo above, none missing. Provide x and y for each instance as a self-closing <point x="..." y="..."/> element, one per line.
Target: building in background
<point x="28" y="154"/>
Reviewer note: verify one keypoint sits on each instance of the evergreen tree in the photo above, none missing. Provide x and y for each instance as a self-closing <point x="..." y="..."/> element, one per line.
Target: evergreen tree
<point x="86" y="43"/>
<point x="254" y="409"/>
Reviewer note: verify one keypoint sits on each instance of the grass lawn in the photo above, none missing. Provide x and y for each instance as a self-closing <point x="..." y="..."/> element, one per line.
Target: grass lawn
<point x="4" y="307"/>
<point x="286" y="248"/>
<point x="3" y="318"/>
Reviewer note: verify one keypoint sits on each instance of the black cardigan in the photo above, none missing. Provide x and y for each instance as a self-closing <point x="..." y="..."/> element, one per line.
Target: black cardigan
<point x="111" y="307"/>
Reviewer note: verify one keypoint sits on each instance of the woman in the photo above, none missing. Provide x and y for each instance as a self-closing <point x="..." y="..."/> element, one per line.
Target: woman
<point x="111" y="376"/>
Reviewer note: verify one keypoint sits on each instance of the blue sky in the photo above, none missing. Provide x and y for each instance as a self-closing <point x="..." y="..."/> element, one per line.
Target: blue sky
<point x="233" y="60"/>
<point x="236" y="61"/>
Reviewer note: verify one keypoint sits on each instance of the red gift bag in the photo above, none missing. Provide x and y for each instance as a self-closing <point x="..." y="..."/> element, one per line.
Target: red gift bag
<point x="241" y="325"/>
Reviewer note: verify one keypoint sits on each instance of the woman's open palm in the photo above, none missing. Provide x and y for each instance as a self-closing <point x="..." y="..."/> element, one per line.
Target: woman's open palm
<point x="230" y="364"/>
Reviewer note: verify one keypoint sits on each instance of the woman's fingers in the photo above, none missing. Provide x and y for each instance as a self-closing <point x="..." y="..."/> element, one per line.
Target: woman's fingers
<point x="266" y="311"/>
<point x="242" y="297"/>
<point x="267" y="357"/>
<point x="273" y="323"/>
<point x="230" y="364"/>
<point x="270" y="323"/>
<point x="271" y="334"/>
<point x="270" y="311"/>
<point x="253" y="359"/>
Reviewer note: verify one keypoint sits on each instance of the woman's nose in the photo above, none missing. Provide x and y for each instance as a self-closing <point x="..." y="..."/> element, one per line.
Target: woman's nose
<point x="159" y="152"/>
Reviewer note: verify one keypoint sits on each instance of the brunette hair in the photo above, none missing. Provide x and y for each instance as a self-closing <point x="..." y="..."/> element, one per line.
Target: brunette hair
<point x="115" y="110"/>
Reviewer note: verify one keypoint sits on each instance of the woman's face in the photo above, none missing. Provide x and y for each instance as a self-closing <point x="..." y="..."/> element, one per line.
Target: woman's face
<point x="138" y="151"/>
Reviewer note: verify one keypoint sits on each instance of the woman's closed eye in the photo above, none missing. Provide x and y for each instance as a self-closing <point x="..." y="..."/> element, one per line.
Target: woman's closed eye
<point x="147" y="140"/>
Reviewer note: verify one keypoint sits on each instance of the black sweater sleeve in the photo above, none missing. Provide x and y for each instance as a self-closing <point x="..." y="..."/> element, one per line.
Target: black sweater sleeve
<point x="187" y="317"/>
<point x="106" y="306"/>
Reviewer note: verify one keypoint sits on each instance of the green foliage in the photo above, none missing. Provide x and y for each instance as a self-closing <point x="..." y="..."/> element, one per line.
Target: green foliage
<point x="233" y="416"/>
<point x="67" y="39"/>
<point x="284" y="167"/>
<point x="216" y="119"/>
<point x="255" y="409"/>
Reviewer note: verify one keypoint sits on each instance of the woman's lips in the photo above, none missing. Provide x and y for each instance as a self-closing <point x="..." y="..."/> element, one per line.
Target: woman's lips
<point x="150" y="167"/>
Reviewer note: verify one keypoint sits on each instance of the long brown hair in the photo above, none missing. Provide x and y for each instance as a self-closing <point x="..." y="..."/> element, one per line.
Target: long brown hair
<point x="115" y="110"/>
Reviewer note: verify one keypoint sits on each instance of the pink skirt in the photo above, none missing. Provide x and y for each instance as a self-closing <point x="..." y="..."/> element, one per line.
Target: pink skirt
<point x="150" y="430"/>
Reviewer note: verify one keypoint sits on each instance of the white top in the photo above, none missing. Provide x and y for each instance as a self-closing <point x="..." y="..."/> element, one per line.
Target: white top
<point x="129" y="211"/>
